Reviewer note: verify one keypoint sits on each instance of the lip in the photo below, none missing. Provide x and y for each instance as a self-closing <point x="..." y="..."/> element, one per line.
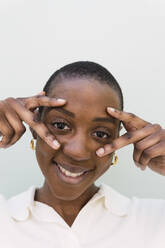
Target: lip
<point x="68" y="179"/>
<point x="73" y="168"/>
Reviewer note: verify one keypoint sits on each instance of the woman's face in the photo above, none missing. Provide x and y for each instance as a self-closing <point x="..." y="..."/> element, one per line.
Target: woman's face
<point x="81" y="126"/>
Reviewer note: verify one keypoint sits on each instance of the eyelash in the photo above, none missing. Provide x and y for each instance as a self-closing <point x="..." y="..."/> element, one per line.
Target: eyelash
<point x="60" y="122"/>
<point x="104" y="133"/>
<point x="55" y="124"/>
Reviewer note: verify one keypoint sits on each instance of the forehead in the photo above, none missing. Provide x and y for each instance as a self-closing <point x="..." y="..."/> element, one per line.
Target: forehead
<point x="85" y="95"/>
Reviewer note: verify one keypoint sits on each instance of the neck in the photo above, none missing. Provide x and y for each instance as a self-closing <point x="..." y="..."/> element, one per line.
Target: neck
<point x="67" y="209"/>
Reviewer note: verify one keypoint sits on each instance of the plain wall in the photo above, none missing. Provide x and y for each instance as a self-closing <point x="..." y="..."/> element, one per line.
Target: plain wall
<point x="127" y="37"/>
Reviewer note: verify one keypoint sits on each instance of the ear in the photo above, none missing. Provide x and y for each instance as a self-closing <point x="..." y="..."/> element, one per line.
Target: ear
<point x="36" y="118"/>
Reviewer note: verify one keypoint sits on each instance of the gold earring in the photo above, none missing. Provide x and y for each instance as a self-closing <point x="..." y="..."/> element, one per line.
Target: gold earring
<point x="32" y="146"/>
<point x="115" y="159"/>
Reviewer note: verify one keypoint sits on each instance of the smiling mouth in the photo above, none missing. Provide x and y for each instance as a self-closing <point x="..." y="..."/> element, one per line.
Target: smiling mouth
<point x="68" y="176"/>
<point x="68" y="173"/>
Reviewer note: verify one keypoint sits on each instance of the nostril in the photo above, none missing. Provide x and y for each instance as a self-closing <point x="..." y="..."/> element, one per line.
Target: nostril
<point x="77" y="157"/>
<point x="76" y="153"/>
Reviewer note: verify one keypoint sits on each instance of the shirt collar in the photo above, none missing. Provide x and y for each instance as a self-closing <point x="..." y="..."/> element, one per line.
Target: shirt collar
<point x="115" y="202"/>
<point x="21" y="205"/>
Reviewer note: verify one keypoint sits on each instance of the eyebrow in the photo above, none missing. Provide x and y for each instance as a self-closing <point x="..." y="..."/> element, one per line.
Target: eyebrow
<point x="70" y="114"/>
<point x="62" y="110"/>
<point x="104" y="119"/>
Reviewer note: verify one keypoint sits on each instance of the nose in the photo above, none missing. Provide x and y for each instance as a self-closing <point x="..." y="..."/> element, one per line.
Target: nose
<point x="77" y="148"/>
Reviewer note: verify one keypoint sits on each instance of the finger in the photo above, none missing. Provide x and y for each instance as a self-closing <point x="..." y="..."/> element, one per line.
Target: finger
<point x="159" y="168"/>
<point x="130" y="121"/>
<point x="7" y="132"/>
<point x="17" y="125"/>
<point x="39" y="126"/>
<point x="38" y="101"/>
<point x="127" y="138"/>
<point x="136" y="155"/>
<point x="152" y="152"/>
<point x="145" y="143"/>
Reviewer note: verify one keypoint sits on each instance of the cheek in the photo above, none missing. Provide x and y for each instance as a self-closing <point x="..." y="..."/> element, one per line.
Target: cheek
<point x="104" y="164"/>
<point x="44" y="153"/>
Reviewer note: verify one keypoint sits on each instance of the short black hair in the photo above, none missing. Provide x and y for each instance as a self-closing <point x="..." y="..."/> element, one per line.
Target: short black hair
<point x="84" y="69"/>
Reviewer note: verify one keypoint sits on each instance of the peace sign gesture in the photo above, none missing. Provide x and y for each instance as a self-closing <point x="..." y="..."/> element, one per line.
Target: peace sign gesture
<point x="148" y="140"/>
<point x="15" y="111"/>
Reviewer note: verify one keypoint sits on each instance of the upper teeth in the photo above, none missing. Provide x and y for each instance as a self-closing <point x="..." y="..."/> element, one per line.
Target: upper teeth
<point x="68" y="173"/>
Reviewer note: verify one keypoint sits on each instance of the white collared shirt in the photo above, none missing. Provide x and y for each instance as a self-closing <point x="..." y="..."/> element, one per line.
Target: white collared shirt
<point x="108" y="220"/>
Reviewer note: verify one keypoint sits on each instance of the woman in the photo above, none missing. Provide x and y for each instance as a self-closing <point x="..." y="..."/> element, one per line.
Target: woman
<point x="76" y="122"/>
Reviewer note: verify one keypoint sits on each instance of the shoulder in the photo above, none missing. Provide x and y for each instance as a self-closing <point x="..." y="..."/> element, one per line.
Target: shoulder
<point x="133" y="207"/>
<point x="148" y="207"/>
<point x="17" y="207"/>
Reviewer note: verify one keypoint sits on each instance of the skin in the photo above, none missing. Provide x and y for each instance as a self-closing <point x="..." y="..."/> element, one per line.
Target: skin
<point x="148" y="141"/>
<point x="81" y="142"/>
<point x="14" y="111"/>
<point x="78" y="144"/>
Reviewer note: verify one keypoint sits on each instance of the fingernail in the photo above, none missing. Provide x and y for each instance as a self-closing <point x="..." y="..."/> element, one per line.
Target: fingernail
<point x="6" y="146"/>
<point x="60" y="100"/>
<point x="42" y="93"/>
<point x="111" y="109"/>
<point x="56" y="145"/>
<point x="100" y="152"/>
<point x="143" y="167"/>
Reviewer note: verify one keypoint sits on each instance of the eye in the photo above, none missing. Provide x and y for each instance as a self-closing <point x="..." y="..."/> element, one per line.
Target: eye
<point x="101" y="134"/>
<point x="61" y="125"/>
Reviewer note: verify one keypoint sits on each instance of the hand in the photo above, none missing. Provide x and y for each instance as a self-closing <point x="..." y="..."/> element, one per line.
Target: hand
<point x="148" y="140"/>
<point x="14" y="111"/>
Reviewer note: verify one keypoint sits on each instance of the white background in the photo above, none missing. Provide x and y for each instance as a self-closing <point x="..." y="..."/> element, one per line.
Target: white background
<point x="127" y="37"/>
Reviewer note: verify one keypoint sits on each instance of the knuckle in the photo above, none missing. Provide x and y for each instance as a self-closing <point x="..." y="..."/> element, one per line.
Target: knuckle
<point x="131" y="115"/>
<point x="33" y="124"/>
<point x="109" y="147"/>
<point x="129" y="135"/>
<point x="149" y="125"/>
<point x="21" y="130"/>
<point x="53" y="99"/>
<point x="28" y="105"/>
<point x="10" y="133"/>
<point x="21" y="101"/>
<point x="39" y="96"/>
<point x="29" y="101"/>
<point x="10" y="100"/>
<point x="47" y="134"/>
<point x="139" y="146"/>
<point x="156" y="126"/>
<point x="147" y="153"/>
